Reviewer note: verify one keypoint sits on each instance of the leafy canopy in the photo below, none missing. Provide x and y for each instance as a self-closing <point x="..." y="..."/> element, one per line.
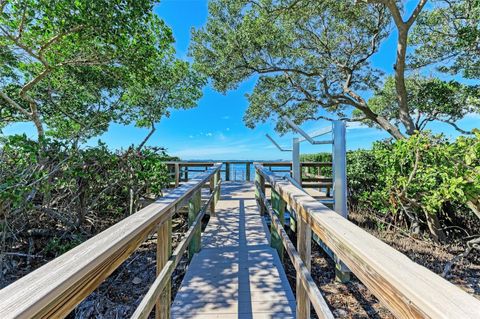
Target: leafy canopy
<point x="313" y="58"/>
<point x="76" y="66"/>
<point x="449" y="36"/>
<point x="430" y="99"/>
<point x="308" y="55"/>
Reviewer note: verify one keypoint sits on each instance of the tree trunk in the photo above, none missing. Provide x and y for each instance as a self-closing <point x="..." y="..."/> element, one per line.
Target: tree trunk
<point x="382" y="122"/>
<point x="36" y="120"/>
<point x="438" y="235"/>
<point x="474" y="206"/>
<point x="400" y="86"/>
<point x="82" y="204"/>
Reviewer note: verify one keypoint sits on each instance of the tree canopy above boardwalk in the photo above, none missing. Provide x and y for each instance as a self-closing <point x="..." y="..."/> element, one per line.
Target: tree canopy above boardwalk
<point x="315" y="55"/>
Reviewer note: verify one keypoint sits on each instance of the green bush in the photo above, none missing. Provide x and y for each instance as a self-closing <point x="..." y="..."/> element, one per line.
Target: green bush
<point x="430" y="182"/>
<point x="56" y="189"/>
<point x="319" y="158"/>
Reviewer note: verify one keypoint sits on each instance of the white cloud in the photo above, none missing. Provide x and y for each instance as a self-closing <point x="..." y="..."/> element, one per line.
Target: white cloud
<point x="227" y="129"/>
<point x="472" y="116"/>
<point x="226" y="117"/>
<point x="209" y="134"/>
<point x="356" y="125"/>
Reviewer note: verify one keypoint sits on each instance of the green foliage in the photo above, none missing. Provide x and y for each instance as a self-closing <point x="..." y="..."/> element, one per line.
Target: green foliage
<point x="430" y="99"/>
<point x="305" y="53"/>
<point x="425" y="172"/>
<point x="63" y="188"/>
<point x="319" y="158"/>
<point x="58" y="246"/>
<point x="76" y="66"/>
<point x="423" y="177"/>
<point x="448" y="35"/>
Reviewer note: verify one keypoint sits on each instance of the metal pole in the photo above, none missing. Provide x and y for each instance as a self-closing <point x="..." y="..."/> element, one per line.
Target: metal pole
<point x="342" y="273"/>
<point x="340" y="168"/>
<point x="296" y="161"/>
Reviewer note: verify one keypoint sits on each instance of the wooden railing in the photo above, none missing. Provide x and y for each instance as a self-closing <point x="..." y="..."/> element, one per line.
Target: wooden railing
<point x="181" y="171"/>
<point x="407" y="289"/>
<point x="55" y="289"/>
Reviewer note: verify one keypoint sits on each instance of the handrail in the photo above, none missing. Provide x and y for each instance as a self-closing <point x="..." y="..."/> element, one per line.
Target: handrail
<point x="148" y="302"/>
<point x="314" y="294"/>
<point x="407" y="289"/>
<point x="56" y="288"/>
<point x="179" y="170"/>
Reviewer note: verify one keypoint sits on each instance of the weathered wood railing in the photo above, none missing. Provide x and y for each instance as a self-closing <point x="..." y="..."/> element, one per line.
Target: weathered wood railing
<point x="407" y="289"/>
<point x="181" y="171"/>
<point x="56" y="288"/>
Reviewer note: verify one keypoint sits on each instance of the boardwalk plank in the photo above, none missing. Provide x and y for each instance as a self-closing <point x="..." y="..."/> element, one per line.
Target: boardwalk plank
<point x="236" y="274"/>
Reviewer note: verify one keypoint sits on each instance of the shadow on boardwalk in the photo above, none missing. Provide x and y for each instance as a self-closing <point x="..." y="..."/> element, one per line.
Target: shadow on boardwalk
<point x="236" y="274"/>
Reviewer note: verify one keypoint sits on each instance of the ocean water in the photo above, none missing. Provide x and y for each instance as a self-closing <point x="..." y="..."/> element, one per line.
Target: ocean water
<point x="238" y="171"/>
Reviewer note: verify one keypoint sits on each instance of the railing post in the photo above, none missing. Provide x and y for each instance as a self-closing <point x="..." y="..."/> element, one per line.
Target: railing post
<point x="177" y="174"/>
<point x="213" y="184"/>
<point x="247" y="172"/>
<point x="164" y="251"/>
<point x="193" y="210"/>
<point x="261" y="183"/>
<point x="216" y="179"/>
<point x="278" y="205"/>
<point x="227" y="171"/>
<point x="185" y="173"/>
<point x="304" y="247"/>
<point x="296" y="174"/>
<point x="340" y="187"/>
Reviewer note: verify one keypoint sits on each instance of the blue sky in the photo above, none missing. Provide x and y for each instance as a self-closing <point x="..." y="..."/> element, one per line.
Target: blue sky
<point x="214" y="130"/>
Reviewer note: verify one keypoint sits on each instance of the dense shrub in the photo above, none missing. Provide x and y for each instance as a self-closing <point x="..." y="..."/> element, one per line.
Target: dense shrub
<point x="426" y="181"/>
<point x="319" y="158"/>
<point x="54" y="195"/>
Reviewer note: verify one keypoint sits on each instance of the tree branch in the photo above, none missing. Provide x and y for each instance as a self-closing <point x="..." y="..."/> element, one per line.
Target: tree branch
<point x="32" y="82"/>
<point x="415" y="13"/>
<point x="58" y="37"/>
<point x="152" y="130"/>
<point x="456" y="127"/>
<point x="14" y="104"/>
<point x="24" y="47"/>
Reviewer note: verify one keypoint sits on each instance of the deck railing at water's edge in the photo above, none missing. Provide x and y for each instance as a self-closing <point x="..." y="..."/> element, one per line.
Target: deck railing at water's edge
<point x="55" y="289"/>
<point x="407" y="289"/>
<point x="181" y="171"/>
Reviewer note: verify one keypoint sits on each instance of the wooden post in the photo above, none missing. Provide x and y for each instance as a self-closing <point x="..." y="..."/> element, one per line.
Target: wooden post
<point x="247" y="172"/>
<point x="212" y="188"/>
<point x="304" y="247"/>
<point x="227" y="171"/>
<point x="185" y="173"/>
<point x="164" y="251"/>
<point x="177" y="174"/>
<point x="216" y="179"/>
<point x="261" y="181"/>
<point x="278" y="205"/>
<point x="193" y="210"/>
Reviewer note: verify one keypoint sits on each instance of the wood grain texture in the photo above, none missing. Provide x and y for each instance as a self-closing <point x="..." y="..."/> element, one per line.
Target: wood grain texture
<point x="236" y="274"/>
<point x="304" y="247"/>
<point x="278" y="205"/>
<point x="164" y="251"/>
<point x="53" y="290"/>
<point x="406" y="288"/>
<point x="309" y="291"/>
<point x="193" y="211"/>
<point x="212" y="188"/>
<point x="161" y="282"/>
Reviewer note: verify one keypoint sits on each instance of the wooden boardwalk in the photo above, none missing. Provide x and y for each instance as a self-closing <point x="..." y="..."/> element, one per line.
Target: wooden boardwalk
<point x="236" y="274"/>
